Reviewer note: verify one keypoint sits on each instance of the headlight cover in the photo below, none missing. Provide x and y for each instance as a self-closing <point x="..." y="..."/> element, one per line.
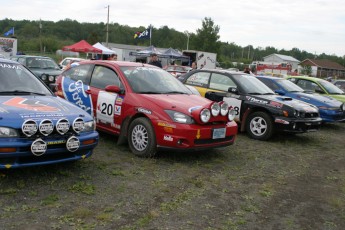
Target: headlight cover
<point x="44" y="77"/>
<point x="179" y="117"/>
<point x="224" y="108"/>
<point x="215" y="109"/>
<point x="205" y="115"/>
<point x="89" y="126"/>
<point x="8" y="132"/>
<point x="231" y="114"/>
<point x="51" y="78"/>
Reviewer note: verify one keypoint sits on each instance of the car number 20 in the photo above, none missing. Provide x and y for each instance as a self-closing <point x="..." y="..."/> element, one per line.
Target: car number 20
<point x="106" y="107"/>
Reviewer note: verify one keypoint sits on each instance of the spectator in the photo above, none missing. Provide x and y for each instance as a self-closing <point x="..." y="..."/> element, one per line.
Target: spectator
<point x="113" y="57"/>
<point x="194" y="65"/>
<point x="247" y="70"/>
<point x="154" y="60"/>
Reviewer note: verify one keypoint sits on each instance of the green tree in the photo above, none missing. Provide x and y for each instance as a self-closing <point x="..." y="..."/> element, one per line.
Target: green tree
<point x="207" y="38"/>
<point x="306" y="70"/>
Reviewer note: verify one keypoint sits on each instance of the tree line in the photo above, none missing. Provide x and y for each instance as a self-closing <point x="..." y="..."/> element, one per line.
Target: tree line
<point x="49" y="36"/>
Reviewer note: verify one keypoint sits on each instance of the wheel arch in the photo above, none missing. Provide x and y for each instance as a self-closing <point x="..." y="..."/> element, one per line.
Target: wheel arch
<point x="249" y="111"/>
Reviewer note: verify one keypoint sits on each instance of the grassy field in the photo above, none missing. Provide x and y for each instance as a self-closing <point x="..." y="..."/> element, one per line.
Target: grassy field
<point x="289" y="182"/>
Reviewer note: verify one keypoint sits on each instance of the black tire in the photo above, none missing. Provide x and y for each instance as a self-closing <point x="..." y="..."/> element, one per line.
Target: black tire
<point x="259" y="126"/>
<point x="142" y="138"/>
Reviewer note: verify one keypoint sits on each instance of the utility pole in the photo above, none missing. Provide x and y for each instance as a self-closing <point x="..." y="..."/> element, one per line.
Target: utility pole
<point x="107" y="34"/>
<point x="187" y="34"/>
<point x="40" y="36"/>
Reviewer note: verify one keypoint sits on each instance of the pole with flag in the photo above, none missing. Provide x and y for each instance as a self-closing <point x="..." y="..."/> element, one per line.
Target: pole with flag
<point x="8" y="33"/>
<point x="146" y="34"/>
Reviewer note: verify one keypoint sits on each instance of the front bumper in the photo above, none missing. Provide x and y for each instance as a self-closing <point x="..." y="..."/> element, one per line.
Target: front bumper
<point x="193" y="137"/>
<point x="332" y="115"/>
<point x="21" y="155"/>
<point x="297" y="125"/>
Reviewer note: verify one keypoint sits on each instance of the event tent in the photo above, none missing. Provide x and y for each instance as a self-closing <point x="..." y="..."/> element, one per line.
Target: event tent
<point x="149" y="50"/>
<point x="172" y="53"/>
<point x="82" y="46"/>
<point x="104" y="49"/>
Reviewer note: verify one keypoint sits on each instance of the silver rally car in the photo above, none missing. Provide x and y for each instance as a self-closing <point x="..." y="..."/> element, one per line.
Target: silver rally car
<point x="37" y="127"/>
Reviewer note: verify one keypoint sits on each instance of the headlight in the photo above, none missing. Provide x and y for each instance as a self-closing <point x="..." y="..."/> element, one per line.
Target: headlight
<point x="224" y="108"/>
<point x="215" y="109"/>
<point x="205" y="115"/>
<point x="295" y="113"/>
<point x="44" y="77"/>
<point x="89" y="126"/>
<point x="179" y="117"/>
<point x="231" y="114"/>
<point x="51" y="78"/>
<point x="8" y="132"/>
<point x="343" y="107"/>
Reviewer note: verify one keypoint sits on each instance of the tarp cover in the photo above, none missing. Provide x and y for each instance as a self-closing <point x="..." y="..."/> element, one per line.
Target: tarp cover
<point x="149" y="50"/>
<point x="83" y="47"/>
<point x="104" y="49"/>
<point x="171" y="53"/>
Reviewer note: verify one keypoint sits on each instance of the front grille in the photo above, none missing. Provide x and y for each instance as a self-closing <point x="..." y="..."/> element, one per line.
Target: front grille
<point x="309" y="115"/>
<point x="212" y="141"/>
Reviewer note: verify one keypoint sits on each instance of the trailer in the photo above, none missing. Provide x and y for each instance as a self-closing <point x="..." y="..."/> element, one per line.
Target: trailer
<point x="8" y="47"/>
<point x="203" y="59"/>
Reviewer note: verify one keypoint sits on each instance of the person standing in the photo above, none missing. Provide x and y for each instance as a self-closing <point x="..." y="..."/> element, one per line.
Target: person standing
<point x="113" y="57"/>
<point x="194" y="65"/>
<point x="154" y="60"/>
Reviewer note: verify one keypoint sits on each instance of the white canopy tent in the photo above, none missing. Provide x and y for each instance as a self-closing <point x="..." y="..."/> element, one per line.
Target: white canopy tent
<point x="104" y="49"/>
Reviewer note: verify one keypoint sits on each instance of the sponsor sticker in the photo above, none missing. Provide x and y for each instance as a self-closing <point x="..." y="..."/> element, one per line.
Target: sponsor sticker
<point x="168" y="138"/>
<point x="143" y="110"/>
<point x="106" y="107"/>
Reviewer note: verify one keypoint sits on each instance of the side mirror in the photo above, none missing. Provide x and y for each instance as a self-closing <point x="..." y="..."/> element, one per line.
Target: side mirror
<point x="114" y="89"/>
<point x="233" y="90"/>
<point x="280" y="92"/>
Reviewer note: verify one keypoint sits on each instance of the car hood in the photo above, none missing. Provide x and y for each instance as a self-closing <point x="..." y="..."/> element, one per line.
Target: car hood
<point x="180" y="102"/>
<point x="15" y="109"/>
<point x="279" y="101"/>
<point x="317" y="99"/>
<point x="39" y="72"/>
<point x="338" y="97"/>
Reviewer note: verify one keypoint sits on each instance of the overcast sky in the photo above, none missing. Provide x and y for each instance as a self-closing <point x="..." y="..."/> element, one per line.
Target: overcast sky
<point x="316" y="26"/>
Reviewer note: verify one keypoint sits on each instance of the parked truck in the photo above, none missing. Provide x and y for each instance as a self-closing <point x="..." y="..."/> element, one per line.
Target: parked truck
<point x="8" y="47"/>
<point x="203" y="59"/>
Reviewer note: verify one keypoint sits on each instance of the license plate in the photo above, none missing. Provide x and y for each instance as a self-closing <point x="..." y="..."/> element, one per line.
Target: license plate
<point x="218" y="133"/>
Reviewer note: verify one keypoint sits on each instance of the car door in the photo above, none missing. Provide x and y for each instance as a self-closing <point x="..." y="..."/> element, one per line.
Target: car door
<point x="309" y="86"/>
<point x="107" y="106"/>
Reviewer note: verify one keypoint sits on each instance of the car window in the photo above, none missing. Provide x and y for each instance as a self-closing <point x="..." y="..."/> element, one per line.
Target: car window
<point x="199" y="79"/>
<point x="271" y="84"/>
<point x="308" y="85"/>
<point x="22" y="61"/>
<point x="14" y="77"/>
<point x="103" y="76"/>
<point x="80" y="72"/>
<point x="221" y="82"/>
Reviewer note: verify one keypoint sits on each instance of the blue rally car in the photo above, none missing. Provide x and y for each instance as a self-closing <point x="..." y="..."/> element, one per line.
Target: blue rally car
<point x="331" y="110"/>
<point x="37" y="127"/>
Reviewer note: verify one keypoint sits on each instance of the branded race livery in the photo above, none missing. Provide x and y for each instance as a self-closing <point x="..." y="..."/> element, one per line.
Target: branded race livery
<point x="147" y="107"/>
<point x="331" y="110"/>
<point x="36" y="127"/>
<point x="259" y="111"/>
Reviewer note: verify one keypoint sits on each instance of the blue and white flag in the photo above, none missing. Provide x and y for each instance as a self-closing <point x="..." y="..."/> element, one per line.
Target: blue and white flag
<point x="11" y="31"/>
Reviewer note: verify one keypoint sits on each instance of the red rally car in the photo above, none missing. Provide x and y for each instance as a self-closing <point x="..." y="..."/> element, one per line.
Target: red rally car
<point x="147" y="107"/>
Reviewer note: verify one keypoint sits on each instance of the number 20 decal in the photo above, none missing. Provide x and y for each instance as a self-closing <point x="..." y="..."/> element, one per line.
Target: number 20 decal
<point x="107" y="109"/>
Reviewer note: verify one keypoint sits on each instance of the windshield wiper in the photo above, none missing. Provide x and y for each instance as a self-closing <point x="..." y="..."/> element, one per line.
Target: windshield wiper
<point x="254" y="93"/>
<point x="267" y="94"/>
<point x="20" y="92"/>
<point x="175" y="92"/>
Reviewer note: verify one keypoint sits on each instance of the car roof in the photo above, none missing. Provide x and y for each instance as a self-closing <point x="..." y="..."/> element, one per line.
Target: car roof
<point x="17" y="56"/>
<point x="118" y="63"/>
<point x="306" y="78"/>
<point x="269" y="77"/>
<point x="7" y="61"/>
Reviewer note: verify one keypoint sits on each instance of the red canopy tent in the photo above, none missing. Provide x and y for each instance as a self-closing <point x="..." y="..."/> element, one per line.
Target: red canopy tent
<point x="82" y="46"/>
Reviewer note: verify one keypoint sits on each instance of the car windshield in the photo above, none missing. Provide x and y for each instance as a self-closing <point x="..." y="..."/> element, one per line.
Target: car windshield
<point x="252" y="85"/>
<point x="289" y="86"/>
<point x="16" y="79"/>
<point x="331" y="88"/>
<point x="41" y="63"/>
<point x="149" y="80"/>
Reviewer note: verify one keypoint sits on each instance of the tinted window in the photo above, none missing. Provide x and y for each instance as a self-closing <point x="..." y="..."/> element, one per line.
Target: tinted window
<point x="199" y="79"/>
<point x="103" y="76"/>
<point x="308" y="85"/>
<point x="81" y="72"/>
<point x="221" y="82"/>
<point x="271" y="84"/>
